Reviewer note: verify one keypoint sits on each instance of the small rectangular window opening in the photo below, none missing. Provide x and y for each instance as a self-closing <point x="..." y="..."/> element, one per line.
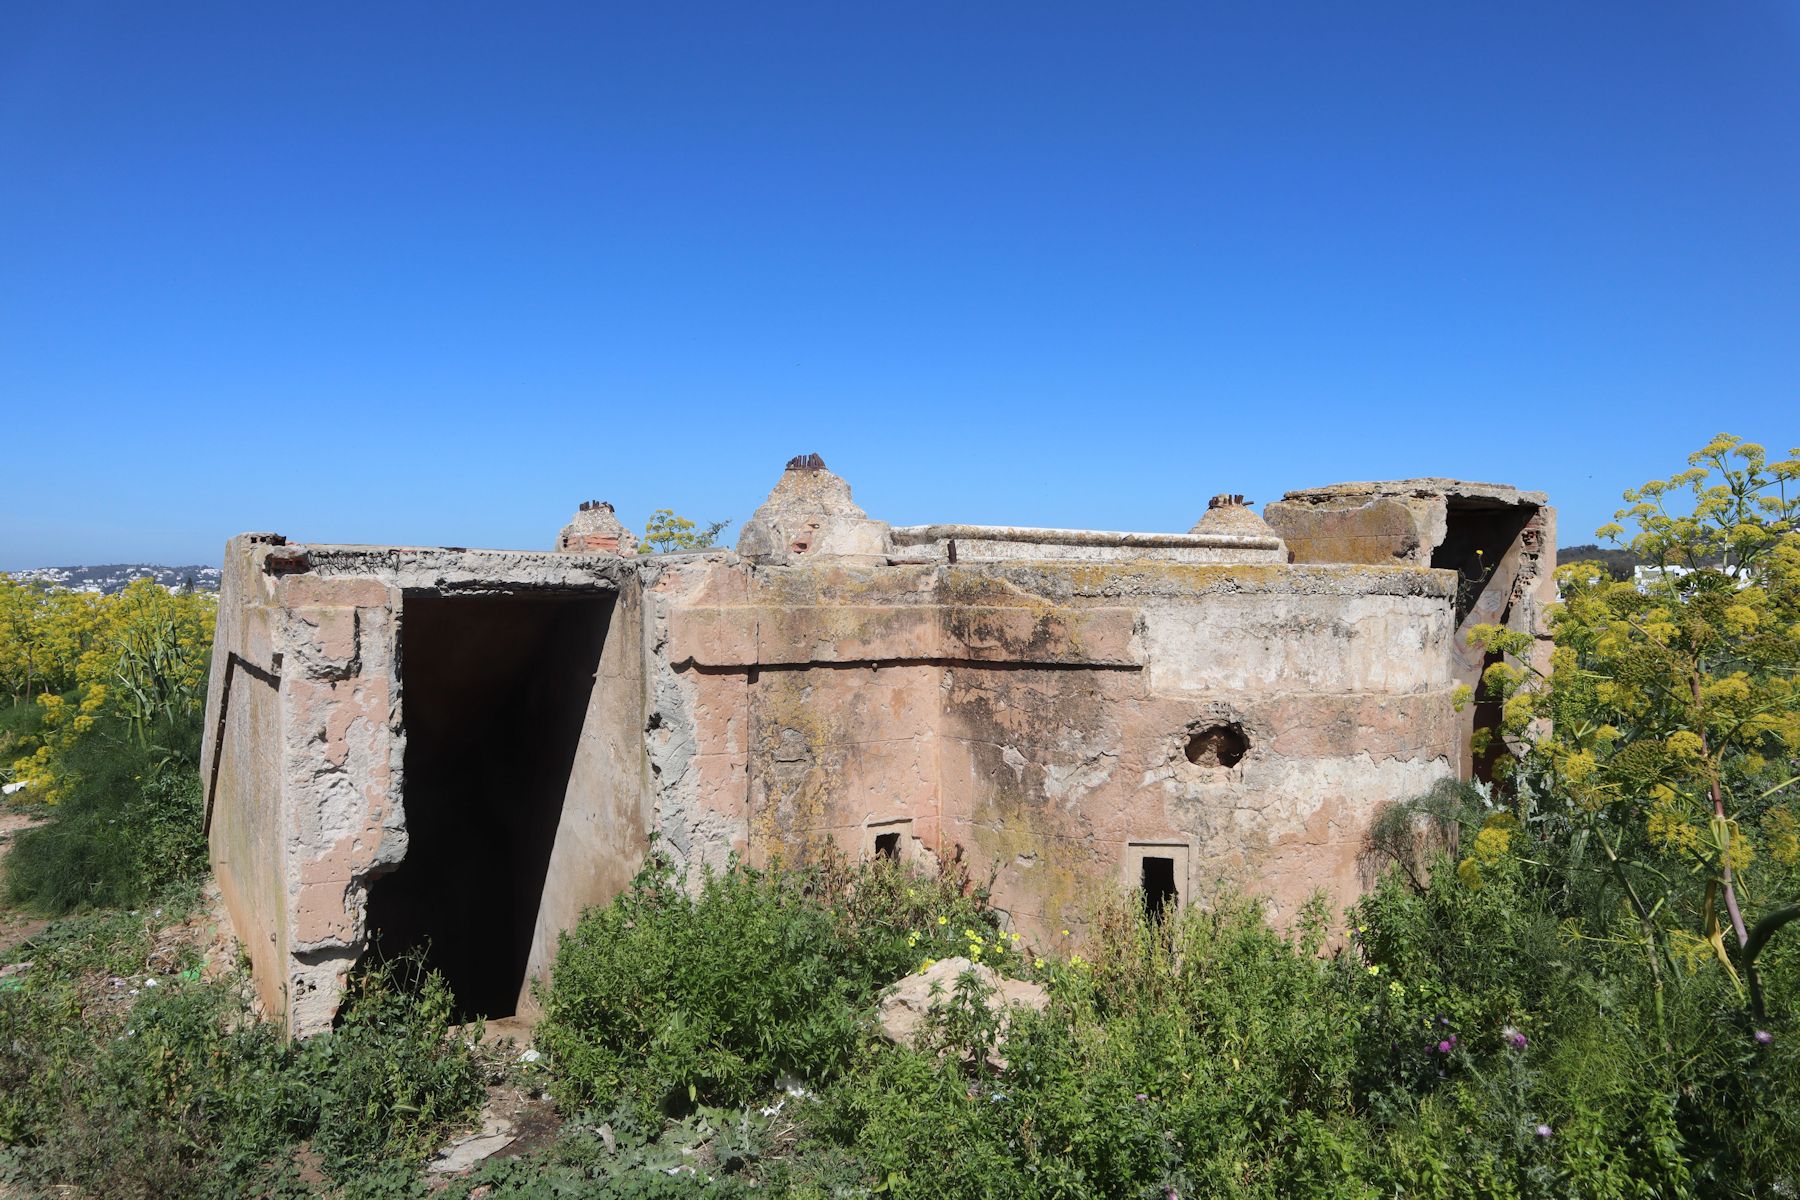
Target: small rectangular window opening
<point x="1160" y="894"/>
<point x="888" y="841"/>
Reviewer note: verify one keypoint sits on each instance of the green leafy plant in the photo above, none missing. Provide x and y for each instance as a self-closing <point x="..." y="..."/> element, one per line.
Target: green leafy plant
<point x="127" y="827"/>
<point x="666" y="531"/>
<point x="125" y="1071"/>
<point x="1657" y="760"/>
<point x="675" y="997"/>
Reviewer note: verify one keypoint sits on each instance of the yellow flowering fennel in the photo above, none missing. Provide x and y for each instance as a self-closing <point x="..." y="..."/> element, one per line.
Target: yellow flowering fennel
<point x="141" y="654"/>
<point x="1673" y="700"/>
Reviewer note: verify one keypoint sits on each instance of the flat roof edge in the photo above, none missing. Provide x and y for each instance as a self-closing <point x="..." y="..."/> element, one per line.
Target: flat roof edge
<point x="914" y="535"/>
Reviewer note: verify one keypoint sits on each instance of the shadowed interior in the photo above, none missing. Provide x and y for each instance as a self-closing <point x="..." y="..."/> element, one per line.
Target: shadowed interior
<point x="1217" y="746"/>
<point x="495" y="691"/>
<point x="1476" y="538"/>
<point x="1160" y="894"/>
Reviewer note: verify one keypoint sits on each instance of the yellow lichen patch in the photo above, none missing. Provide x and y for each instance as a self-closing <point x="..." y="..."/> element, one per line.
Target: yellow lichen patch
<point x="794" y="744"/>
<point x="1005" y="830"/>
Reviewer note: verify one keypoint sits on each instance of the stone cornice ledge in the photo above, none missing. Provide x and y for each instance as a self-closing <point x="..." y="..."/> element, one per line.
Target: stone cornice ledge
<point x="918" y="535"/>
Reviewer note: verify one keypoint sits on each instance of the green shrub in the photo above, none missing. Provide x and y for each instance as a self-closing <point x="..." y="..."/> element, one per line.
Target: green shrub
<point x="1209" y="1055"/>
<point x="707" y="1153"/>
<point x="127" y="825"/>
<point x="1531" y="1053"/>
<point x="675" y="998"/>
<point x="1451" y="1040"/>
<point x="178" y="1090"/>
<point x="22" y="728"/>
<point x="391" y="1077"/>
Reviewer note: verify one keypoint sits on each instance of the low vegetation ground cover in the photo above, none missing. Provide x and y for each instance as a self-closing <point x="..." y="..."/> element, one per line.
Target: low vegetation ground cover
<point x="1580" y="981"/>
<point x="128" y="1070"/>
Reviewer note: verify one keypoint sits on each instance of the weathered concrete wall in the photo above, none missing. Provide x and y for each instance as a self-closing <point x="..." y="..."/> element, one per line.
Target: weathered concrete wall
<point x="300" y="767"/>
<point x="240" y="772"/>
<point x="1006" y="543"/>
<point x="1032" y="718"/>
<point x="1498" y="540"/>
<point x="341" y="752"/>
<point x="603" y="832"/>
<point x="309" y="808"/>
<point x="1049" y="707"/>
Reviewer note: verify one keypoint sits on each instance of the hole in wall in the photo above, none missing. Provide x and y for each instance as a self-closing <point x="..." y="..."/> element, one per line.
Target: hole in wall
<point x="887" y="845"/>
<point x="494" y="694"/>
<point x="1217" y="746"/>
<point x="1157" y="883"/>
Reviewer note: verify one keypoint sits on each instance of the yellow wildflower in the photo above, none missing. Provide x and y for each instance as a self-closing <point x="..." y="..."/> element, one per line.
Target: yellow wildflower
<point x="1783" y="832"/>
<point x="1685" y="743"/>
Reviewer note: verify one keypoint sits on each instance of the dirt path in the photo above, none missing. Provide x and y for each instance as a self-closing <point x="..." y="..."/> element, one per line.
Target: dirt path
<point x="15" y="927"/>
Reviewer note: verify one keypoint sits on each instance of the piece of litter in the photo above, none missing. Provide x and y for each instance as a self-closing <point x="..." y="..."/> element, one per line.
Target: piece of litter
<point x="530" y="1056"/>
<point x="467" y="1153"/>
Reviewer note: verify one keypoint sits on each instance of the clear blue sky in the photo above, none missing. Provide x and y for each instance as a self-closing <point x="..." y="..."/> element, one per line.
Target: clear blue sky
<point x="436" y="272"/>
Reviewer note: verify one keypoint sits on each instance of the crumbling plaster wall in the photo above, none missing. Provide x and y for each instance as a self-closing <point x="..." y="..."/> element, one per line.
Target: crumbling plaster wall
<point x="603" y="833"/>
<point x="240" y="769"/>
<point x="304" y="773"/>
<point x="1441" y="522"/>
<point x="1031" y="717"/>
<point x="300" y="771"/>
<point x="1025" y="701"/>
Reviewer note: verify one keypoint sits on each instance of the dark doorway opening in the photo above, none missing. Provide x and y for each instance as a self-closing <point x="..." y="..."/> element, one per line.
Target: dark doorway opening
<point x="887" y="845"/>
<point x="1486" y="746"/>
<point x="494" y="693"/>
<point x="1160" y="894"/>
<point x="1476" y="538"/>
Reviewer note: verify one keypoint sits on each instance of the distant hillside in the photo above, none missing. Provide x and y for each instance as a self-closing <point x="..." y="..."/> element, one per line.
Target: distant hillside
<point x="1619" y="563"/>
<point x="113" y="577"/>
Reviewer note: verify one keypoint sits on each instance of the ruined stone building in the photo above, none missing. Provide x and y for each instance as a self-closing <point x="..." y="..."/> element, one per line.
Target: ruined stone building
<point x="466" y="747"/>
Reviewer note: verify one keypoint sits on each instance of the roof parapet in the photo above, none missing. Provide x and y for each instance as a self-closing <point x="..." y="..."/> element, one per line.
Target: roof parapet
<point x="996" y="543"/>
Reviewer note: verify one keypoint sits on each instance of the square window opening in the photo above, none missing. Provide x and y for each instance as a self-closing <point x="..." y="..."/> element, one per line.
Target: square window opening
<point x="1157" y="883"/>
